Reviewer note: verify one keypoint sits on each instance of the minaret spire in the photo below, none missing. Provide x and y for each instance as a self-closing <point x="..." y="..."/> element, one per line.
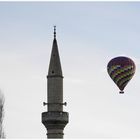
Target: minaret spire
<point x="55" y="64"/>
<point x="55" y="119"/>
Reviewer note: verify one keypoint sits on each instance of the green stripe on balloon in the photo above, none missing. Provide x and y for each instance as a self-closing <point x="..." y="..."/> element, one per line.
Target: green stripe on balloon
<point x="123" y="75"/>
<point x="121" y="70"/>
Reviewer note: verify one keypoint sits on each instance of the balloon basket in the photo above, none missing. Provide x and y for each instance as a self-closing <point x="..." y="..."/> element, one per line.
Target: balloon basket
<point x="121" y="92"/>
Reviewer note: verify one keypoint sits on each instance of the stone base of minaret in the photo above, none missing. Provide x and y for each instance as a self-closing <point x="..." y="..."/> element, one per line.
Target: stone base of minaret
<point x="55" y="122"/>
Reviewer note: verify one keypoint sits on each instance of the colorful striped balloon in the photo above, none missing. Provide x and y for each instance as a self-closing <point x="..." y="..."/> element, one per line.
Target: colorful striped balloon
<point x="121" y="70"/>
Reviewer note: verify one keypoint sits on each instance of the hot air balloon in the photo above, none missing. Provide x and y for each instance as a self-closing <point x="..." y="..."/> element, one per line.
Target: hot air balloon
<point x="121" y="70"/>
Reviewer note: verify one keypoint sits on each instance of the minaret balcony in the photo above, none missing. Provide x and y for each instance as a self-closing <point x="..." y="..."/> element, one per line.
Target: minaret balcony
<point x="55" y="119"/>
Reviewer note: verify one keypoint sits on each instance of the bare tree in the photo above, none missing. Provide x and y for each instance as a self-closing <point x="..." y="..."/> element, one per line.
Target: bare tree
<point x="2" y="135"/>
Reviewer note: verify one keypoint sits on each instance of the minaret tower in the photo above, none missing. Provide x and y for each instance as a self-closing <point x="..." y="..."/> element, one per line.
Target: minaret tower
<point x="55" y="119"/>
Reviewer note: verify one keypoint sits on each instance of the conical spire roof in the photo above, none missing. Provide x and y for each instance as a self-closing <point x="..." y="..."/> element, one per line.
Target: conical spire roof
<point x="55" y="64"/>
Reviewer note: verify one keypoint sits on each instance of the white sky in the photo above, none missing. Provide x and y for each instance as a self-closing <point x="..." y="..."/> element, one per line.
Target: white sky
<point x="89" y="34"/>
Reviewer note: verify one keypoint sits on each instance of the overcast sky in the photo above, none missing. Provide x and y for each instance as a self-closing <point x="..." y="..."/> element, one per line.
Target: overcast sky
<point x="89" y="34"/>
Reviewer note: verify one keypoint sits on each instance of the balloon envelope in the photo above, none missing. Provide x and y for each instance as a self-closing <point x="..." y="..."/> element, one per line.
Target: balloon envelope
<point x="121" y="70"/>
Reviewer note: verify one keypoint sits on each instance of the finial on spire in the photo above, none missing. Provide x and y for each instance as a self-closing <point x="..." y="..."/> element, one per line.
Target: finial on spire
<point x="54" y="31"/>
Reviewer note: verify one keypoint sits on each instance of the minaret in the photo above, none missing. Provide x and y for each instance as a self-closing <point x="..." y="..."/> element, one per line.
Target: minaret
<point x="55" y="119"/>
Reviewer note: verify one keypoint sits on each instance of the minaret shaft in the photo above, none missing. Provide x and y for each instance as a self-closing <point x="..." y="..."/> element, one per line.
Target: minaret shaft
<point x="55" y="94"/>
